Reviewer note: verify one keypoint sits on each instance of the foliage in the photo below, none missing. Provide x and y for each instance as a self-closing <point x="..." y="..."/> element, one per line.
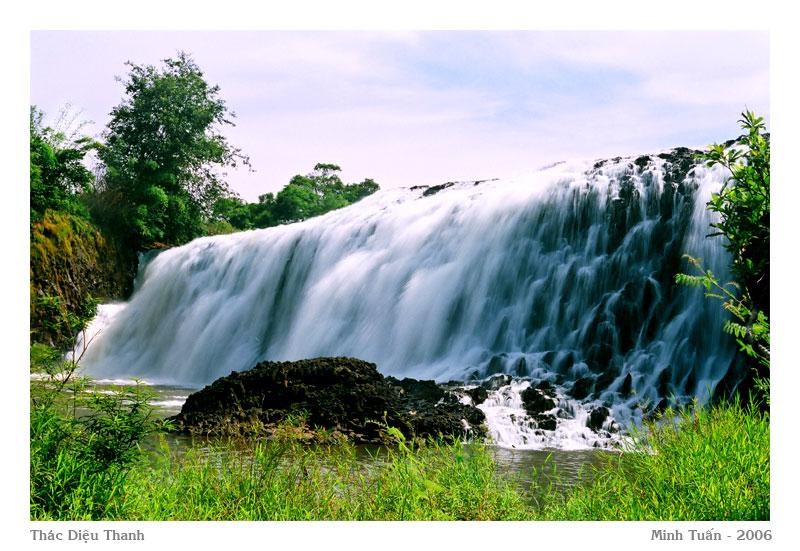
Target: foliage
<point x="281" y="479"/>
<point x="303" y="197"/>
<point x="53" y="320"/>
<point x="72" y="264"/>
<point x="82" y="443"/>
<point x="743" y="208"/>
<point x="751" y="329"/>
<point x="163" y="153"/>
<point x="57" y="174"/>
<point x="700" y="464"/>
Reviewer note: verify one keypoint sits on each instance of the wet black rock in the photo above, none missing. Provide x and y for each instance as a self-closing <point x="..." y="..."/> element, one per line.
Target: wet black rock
<point x="605" y="379"/>
<point x="346" y="396"/>
<point x="496" y="381"/>
<point x="564" y="362"/>
<point x="627" y="383"/>
<point x="642" y="162"/>
<point x="664" y="380"/>
<point x="415" y="391"/>
<point x="477" y="394"/>
<point x="436" y="189"/>
<point x="546" y="422"/>
<point x="496" y="365"/>
<point x="537" y="401"/>
<point x="582" y="388"/>
<point x="520" y="368"/>
<point x="597" y="417"/>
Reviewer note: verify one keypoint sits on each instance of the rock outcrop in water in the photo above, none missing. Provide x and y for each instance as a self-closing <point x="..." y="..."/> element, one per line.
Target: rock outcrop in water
<point x="347" y="396"/>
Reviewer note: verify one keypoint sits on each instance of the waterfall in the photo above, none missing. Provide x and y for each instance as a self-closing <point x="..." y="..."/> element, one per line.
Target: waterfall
<point x="564" y="274"/>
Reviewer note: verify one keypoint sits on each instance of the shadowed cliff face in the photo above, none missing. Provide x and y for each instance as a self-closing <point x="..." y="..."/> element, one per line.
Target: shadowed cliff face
<point x="563" y="274"/>
<point x="72" y="263"/>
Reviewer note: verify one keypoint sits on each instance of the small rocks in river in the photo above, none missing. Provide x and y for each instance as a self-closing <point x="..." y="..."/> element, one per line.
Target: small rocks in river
<point x="478" y="394"/>
<point x="537" y="401"/>
<point x="546" y="422"/>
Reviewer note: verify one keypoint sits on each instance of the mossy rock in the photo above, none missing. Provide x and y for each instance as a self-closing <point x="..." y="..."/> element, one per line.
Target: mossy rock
<point x="72" y="265"/>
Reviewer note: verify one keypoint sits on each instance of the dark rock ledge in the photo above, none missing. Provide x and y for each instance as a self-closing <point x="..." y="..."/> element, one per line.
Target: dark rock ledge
<point x="345" y="396"/>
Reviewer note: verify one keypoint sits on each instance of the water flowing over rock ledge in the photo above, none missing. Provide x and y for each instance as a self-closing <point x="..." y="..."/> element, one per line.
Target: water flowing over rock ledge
<point x="564" y="275"/>
<point x="350" y="398"/>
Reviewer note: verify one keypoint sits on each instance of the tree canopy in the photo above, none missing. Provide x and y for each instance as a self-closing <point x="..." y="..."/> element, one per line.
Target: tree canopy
<point x="57" y="173"/>
<point x="163" y="153"/>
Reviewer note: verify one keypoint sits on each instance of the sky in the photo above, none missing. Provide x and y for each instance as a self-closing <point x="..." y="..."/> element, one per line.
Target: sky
<point x="423" y="108"/>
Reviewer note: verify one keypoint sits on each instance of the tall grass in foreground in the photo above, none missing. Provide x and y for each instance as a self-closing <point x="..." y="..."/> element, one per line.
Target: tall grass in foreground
<point x="284" y="480"/>
<point x="705" y="464"/>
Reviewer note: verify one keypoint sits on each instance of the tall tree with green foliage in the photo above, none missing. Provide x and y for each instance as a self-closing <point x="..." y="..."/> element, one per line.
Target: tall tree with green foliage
<point x="164" y="153"/>
<point x="58" y="175"/>
<point x="743" y="208"/>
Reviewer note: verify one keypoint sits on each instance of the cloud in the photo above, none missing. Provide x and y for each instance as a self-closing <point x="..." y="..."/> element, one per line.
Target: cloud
<point x="424" y="107"/>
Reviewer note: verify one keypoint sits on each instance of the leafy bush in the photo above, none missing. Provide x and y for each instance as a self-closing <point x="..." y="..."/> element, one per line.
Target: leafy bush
<point x="82" y="443"/>
<point x="743" y="207"/>
<point x="58" y="176"/>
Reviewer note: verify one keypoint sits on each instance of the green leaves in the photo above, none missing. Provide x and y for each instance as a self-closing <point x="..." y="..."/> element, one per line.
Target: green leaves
<point x="743" y="208"/>
<point x="165" y="136"/>
<point x="303" y="197"/>
<point x="83" y="442"/>
<point x="57" y="174"/>
<point x="750" y="328"/>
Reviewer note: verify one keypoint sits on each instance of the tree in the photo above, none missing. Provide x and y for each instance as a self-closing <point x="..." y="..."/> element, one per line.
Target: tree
<point x="58" y="176"/>
<point x="163" y="154"/>
<point x="304" y="196"/>
<point x="743" y="207"/>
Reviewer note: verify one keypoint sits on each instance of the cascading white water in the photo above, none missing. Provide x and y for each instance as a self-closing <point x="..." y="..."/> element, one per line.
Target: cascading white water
<point x="564" y="274"/>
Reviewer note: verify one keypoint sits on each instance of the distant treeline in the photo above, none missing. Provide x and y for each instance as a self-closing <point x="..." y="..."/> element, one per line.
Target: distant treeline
<point x="315" y="193"/>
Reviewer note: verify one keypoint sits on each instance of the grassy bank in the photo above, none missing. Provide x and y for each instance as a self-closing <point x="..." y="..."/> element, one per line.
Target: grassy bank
<point x="710" y="464"/>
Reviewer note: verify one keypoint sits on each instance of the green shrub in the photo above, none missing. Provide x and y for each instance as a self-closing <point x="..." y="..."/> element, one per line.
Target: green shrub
<point x="82" y="443"/>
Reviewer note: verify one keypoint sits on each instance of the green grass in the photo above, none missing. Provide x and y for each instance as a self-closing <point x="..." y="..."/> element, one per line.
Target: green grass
<point x="285" y="480"/>
<point x="706" y="464"/>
